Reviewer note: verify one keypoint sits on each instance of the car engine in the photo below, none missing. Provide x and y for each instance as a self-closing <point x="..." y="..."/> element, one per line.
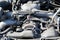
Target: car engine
<point x="29" y="19"/>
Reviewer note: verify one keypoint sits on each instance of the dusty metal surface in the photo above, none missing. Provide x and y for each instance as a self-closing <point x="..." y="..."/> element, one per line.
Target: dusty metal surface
<point x="29" y="20"/>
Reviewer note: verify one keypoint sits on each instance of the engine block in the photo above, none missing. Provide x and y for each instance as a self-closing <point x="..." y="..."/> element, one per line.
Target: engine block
<point x="29" y="20"/>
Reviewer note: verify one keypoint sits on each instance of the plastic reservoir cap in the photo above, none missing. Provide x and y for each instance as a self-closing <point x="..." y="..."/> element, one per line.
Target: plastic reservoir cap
<point x="49" y="33"/>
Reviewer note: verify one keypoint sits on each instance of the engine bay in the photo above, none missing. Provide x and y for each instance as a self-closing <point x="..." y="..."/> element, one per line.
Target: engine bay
<point x="30" y="19"/>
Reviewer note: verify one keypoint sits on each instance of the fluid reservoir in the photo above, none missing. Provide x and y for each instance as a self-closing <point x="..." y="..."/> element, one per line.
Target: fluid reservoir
<point x="29" y="6"/>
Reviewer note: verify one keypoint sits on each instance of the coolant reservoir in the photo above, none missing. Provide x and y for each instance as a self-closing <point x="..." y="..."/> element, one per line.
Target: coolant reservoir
<point x="29" y="6"/>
